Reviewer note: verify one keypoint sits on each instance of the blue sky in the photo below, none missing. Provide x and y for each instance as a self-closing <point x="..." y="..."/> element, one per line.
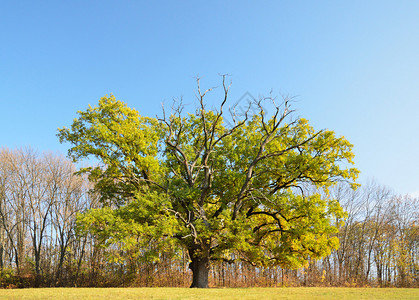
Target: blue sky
<point x="352" y="65"/>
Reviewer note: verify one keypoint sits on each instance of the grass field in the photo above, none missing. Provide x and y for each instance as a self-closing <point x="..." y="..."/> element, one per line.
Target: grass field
<point x="182" y="293"/>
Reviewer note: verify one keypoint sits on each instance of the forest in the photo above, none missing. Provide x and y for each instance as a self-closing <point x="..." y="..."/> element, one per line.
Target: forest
<point x="58" y="227"/>
<point x="39" y="245"/>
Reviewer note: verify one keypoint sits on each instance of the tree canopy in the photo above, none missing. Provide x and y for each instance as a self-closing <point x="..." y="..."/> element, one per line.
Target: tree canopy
<point x="223" y="192"/>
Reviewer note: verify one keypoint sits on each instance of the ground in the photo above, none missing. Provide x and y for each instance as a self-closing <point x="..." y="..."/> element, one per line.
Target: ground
<point x="227" y="293"/>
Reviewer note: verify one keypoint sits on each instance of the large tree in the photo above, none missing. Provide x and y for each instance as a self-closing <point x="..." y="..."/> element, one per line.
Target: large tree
<point x="233" y="191"/>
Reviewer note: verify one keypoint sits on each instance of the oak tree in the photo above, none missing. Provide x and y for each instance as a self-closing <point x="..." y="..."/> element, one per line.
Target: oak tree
<point x="232" y="191"/>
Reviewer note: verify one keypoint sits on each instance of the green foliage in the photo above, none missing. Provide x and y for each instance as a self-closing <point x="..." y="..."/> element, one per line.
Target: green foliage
<point x="9" y="280"/>
<point x="132" y="228"/>
<point x="124" y="142"/>
<point x="229" y="193"/>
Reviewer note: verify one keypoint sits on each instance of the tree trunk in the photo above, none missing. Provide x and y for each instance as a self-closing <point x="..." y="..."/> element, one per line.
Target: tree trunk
<point x="1" y="256"/>
<point x="199" y="267"/>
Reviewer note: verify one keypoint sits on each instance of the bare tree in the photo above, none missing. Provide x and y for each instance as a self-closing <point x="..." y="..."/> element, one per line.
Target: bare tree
<point x="40" y="195"/>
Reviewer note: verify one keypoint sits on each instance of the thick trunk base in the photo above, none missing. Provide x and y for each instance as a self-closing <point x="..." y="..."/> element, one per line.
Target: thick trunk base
<point x="200" y="269"/>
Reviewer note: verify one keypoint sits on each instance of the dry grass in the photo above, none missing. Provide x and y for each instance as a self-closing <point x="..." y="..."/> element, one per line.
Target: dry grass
<point x="230" y="293"/>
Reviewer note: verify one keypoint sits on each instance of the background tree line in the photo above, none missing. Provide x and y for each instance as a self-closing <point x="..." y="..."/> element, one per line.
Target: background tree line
<point x="41" y="195"/>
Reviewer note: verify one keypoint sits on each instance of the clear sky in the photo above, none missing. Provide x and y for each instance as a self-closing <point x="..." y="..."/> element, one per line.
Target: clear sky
<point x="352" y="65"/>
